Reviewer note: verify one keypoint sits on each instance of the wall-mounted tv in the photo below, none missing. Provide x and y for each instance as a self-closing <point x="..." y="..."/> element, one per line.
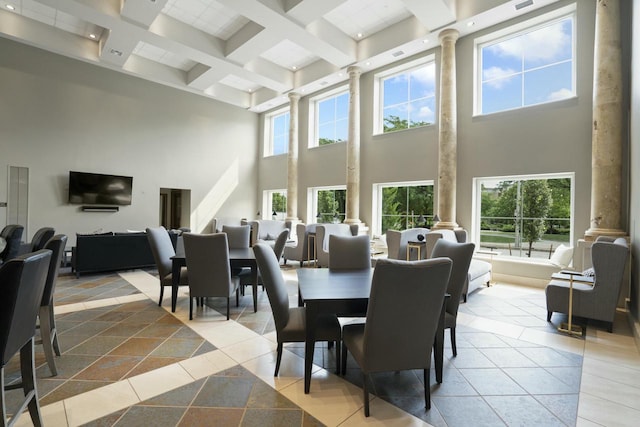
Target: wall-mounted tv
<point x="98" y="189"/>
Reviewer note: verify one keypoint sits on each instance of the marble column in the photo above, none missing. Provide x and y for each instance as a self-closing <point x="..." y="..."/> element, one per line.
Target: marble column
<point x="448" y="134"/>
<point x="606" y="141"/>
<point x="292" y="159"/>
<point x="353" y="149"/>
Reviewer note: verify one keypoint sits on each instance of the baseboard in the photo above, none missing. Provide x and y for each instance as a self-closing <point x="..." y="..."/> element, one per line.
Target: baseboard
<point x="635" y="328"/>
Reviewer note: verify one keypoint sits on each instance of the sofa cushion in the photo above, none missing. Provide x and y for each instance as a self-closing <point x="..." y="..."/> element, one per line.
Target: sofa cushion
<point x="562" y="256"/>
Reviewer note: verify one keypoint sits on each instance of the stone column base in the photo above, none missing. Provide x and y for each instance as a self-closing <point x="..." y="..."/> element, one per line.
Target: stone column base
<point x="593" y="233"/>
<point x="445" y="225"/>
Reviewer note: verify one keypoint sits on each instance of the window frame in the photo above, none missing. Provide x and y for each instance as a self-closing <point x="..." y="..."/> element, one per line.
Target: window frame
<point x="377" y="199"/>
<point x="269" y="131"/>
<point x="267" y="203"/>
<point x="378" y="91"/>
<point x="312" y="195"/>
<point x="476" y="212"/>
<point x="314" y="113"/>
<point x="519" y="29"/>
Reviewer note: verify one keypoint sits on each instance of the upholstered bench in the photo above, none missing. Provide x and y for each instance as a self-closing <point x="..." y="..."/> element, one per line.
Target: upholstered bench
<point x="479" y="275"/>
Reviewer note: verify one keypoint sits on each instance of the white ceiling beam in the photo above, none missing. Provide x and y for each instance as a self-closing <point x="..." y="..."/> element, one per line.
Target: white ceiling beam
<point x="433" y="14"/>
<point x="314" y="72"/>
<point x="250" y="42"/>
<point x="230" y="95"/>
<point x="307" y="11"/>
<point x="390" y="38"/>
<point x="142" y="12"/>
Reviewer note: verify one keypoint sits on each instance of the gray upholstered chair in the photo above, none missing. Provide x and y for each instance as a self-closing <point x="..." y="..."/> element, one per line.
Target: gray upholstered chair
<point x="278" y="248"/>
<point x="238" y="236"/>
<point x="290" y="321"/>
<point x="349" y="252"/>
<point x="12" y="234"/>
<point x="48" y="331"/>
<point x="267" y="230"/>
<point x="40" y="238"/>
<point x="323" y="231"/>
<point x="597" y="302"/>
<point x="397" y="242"/>
<point x="300" y="250"/>
<point x="207" y="258"/>
<point x="460" y="254"/>
<point x="162" y="250"/>
<point x="402" y="318"/>
<point x="23" y="279"/>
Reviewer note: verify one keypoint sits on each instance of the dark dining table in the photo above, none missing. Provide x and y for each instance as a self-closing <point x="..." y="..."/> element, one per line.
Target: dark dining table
<point x="238" y="258"/>
<point x="344" y="293"/>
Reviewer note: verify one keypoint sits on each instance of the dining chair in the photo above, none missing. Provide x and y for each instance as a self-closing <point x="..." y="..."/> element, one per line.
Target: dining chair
<point x="162" y="250"/>
<point x="246" y="276"/>
<point x="12" y="234"/>
<point x="48" y="330"/>
<point x="40" y="238"/>
<point x="405" y="304"/>
<point x="290" y="321"/>
<point x="23" y="280"/>
<point x="460" y="255"/>
<point x="238" y="236"/>
<point x="207" y="257"/>
<point x="349" y="252"/>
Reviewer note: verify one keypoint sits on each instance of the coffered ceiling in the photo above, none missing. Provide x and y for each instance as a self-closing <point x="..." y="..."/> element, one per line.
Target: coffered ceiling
<point x="249" y="53"/>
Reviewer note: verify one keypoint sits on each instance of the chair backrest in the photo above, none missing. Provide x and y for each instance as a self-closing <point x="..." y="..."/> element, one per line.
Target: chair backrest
<point x="161" y="248"/>
<point x="12" y="234"/>
<point x="23" y="280"/>
<point x="56" y="245"/>
<point x="238" y="236"/>
<point x="41" y="237"/>
<point x="609" y="260"/>
<point x="460" y="254"/>
<point x="349" y="252"/>
<point x="281" y="241"/>
<point x="397" y="241"/>
<point x="207" y="257"/>
<point x="404" y="308"/>
<point x="274" y="282"/>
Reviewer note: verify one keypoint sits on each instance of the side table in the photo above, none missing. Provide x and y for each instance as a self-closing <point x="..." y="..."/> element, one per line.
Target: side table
<point x="417" y="245"/>
<point x="568" y="327"/>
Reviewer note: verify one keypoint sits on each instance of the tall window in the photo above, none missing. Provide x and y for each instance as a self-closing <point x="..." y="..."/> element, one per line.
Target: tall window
<point x="403" y="205"/>
<point x="328" y="204"/>
<point x="406" y="96"/>
<point x="526" y="66"/>
<point x="331" y="119"/>
<point x="274" y="204"/>
<point x="524" y="216"/>
<point x="277" y="133"/>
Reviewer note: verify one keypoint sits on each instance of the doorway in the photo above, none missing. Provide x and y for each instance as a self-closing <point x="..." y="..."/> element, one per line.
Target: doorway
<point x="175" y="208"/>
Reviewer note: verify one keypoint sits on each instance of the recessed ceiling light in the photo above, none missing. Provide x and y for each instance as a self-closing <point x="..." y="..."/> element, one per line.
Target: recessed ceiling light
<point x="359" y="35"/>
<point x="471" y="23"/>
<point x="339" y="74"/>
<point x="425" y="41"/>
<point x="11" y="7"/>
<point x="294" y="67"/>
<point x="367" y="63"/>
<point x="92" y="36"/>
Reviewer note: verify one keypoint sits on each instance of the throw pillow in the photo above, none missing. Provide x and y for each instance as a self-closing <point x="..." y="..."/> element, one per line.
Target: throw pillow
<point x="271" y="237"/>
<point x="562" y="256"/>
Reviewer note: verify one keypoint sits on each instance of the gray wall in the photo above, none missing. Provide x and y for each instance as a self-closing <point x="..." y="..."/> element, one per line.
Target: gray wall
<point x="59" y="114"/>
<point x="634" y="215"/>
<point x="550" y="138"/>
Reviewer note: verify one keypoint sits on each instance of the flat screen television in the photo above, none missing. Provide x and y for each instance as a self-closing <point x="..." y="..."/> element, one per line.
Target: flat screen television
<point x="98" y="189"/>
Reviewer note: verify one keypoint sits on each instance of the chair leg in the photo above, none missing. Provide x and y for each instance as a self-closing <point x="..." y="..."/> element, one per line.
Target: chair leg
<point x="453" y="342"/>
<point x="237" y="299"/>
<point x="190" y="308"/>
<point x="609" y="327"/>
<point x="343" y="359"/>
<point x="427" y="389"/>
<point x="278" y="360"/>
<point x="338" y="364"/>
<point x="45" y="332"/>
<point x="161" y="295"/>
<point x="28" y="371"/>
<point x="54" y="331"/>
<point x="549" y="313"/>
<point x="366" y="394"/>
<point x="228" y="299"/>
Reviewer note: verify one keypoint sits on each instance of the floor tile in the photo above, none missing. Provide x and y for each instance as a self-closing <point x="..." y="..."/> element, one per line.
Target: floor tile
<point x="457" y="411"/>
<point x="539" y="381"/>
<point x="205" y="417"/>
<point x="492" y="382"/>
<point x="224" y="392"/>
<point x="522" y="411"/>
<point x="141" y="416"/>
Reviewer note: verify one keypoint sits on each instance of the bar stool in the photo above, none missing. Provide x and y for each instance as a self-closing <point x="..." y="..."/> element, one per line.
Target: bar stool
<point x="22" y="281"/>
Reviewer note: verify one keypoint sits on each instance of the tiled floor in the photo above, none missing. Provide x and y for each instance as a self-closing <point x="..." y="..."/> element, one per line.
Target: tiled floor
<point x="127" y="361"/>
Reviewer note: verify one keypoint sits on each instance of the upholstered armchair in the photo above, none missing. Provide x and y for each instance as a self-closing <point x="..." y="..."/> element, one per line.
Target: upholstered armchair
<point x="597" y="302"/>
<point x="299" y="251"/>
<point x="323" y="231"/>
<point x="267" y="230"/>
<point x="397" y="242"/>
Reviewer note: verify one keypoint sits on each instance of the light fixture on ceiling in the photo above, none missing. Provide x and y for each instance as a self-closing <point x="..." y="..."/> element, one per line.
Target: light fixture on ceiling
<point x="116" y="52"/>
<point x="367" y="63"/>
<point x="92" y="36"/>
<point x="471" y="23"/>
<point x="11" y="7"/>
<point x="339" y="74"/>
<point x="359" y="35"/>
<point x="294" y="67"/>
<point x="425" y="41"/>
<point x="524" y="4"/>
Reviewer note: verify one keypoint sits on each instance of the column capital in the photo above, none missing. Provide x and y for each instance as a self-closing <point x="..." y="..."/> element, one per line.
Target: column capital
<point x="294" y="96"/>
<point x="449" y="34"/>
<point x="352" y="70"/>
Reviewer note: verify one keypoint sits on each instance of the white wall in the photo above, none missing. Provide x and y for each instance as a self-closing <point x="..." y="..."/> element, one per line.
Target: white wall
<point x="634" y="226"/>
<point x="542" y="139"/>
<point x="59" y="114"/>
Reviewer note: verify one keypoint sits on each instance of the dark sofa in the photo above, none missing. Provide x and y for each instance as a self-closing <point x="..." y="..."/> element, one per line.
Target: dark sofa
<point x="112" y="251"/>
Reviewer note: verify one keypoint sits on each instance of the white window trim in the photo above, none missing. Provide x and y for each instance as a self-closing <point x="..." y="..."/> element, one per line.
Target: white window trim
<point x="376" y="199"/>
<point x="378" y="93"/>
<point x="268" y="134"/>
<point x="477" y="199"/>
<point x="516" y="30"/>
<point x="312" y="196"/>
<point x="267" y="202"/>
<point x="313" y="112"/>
